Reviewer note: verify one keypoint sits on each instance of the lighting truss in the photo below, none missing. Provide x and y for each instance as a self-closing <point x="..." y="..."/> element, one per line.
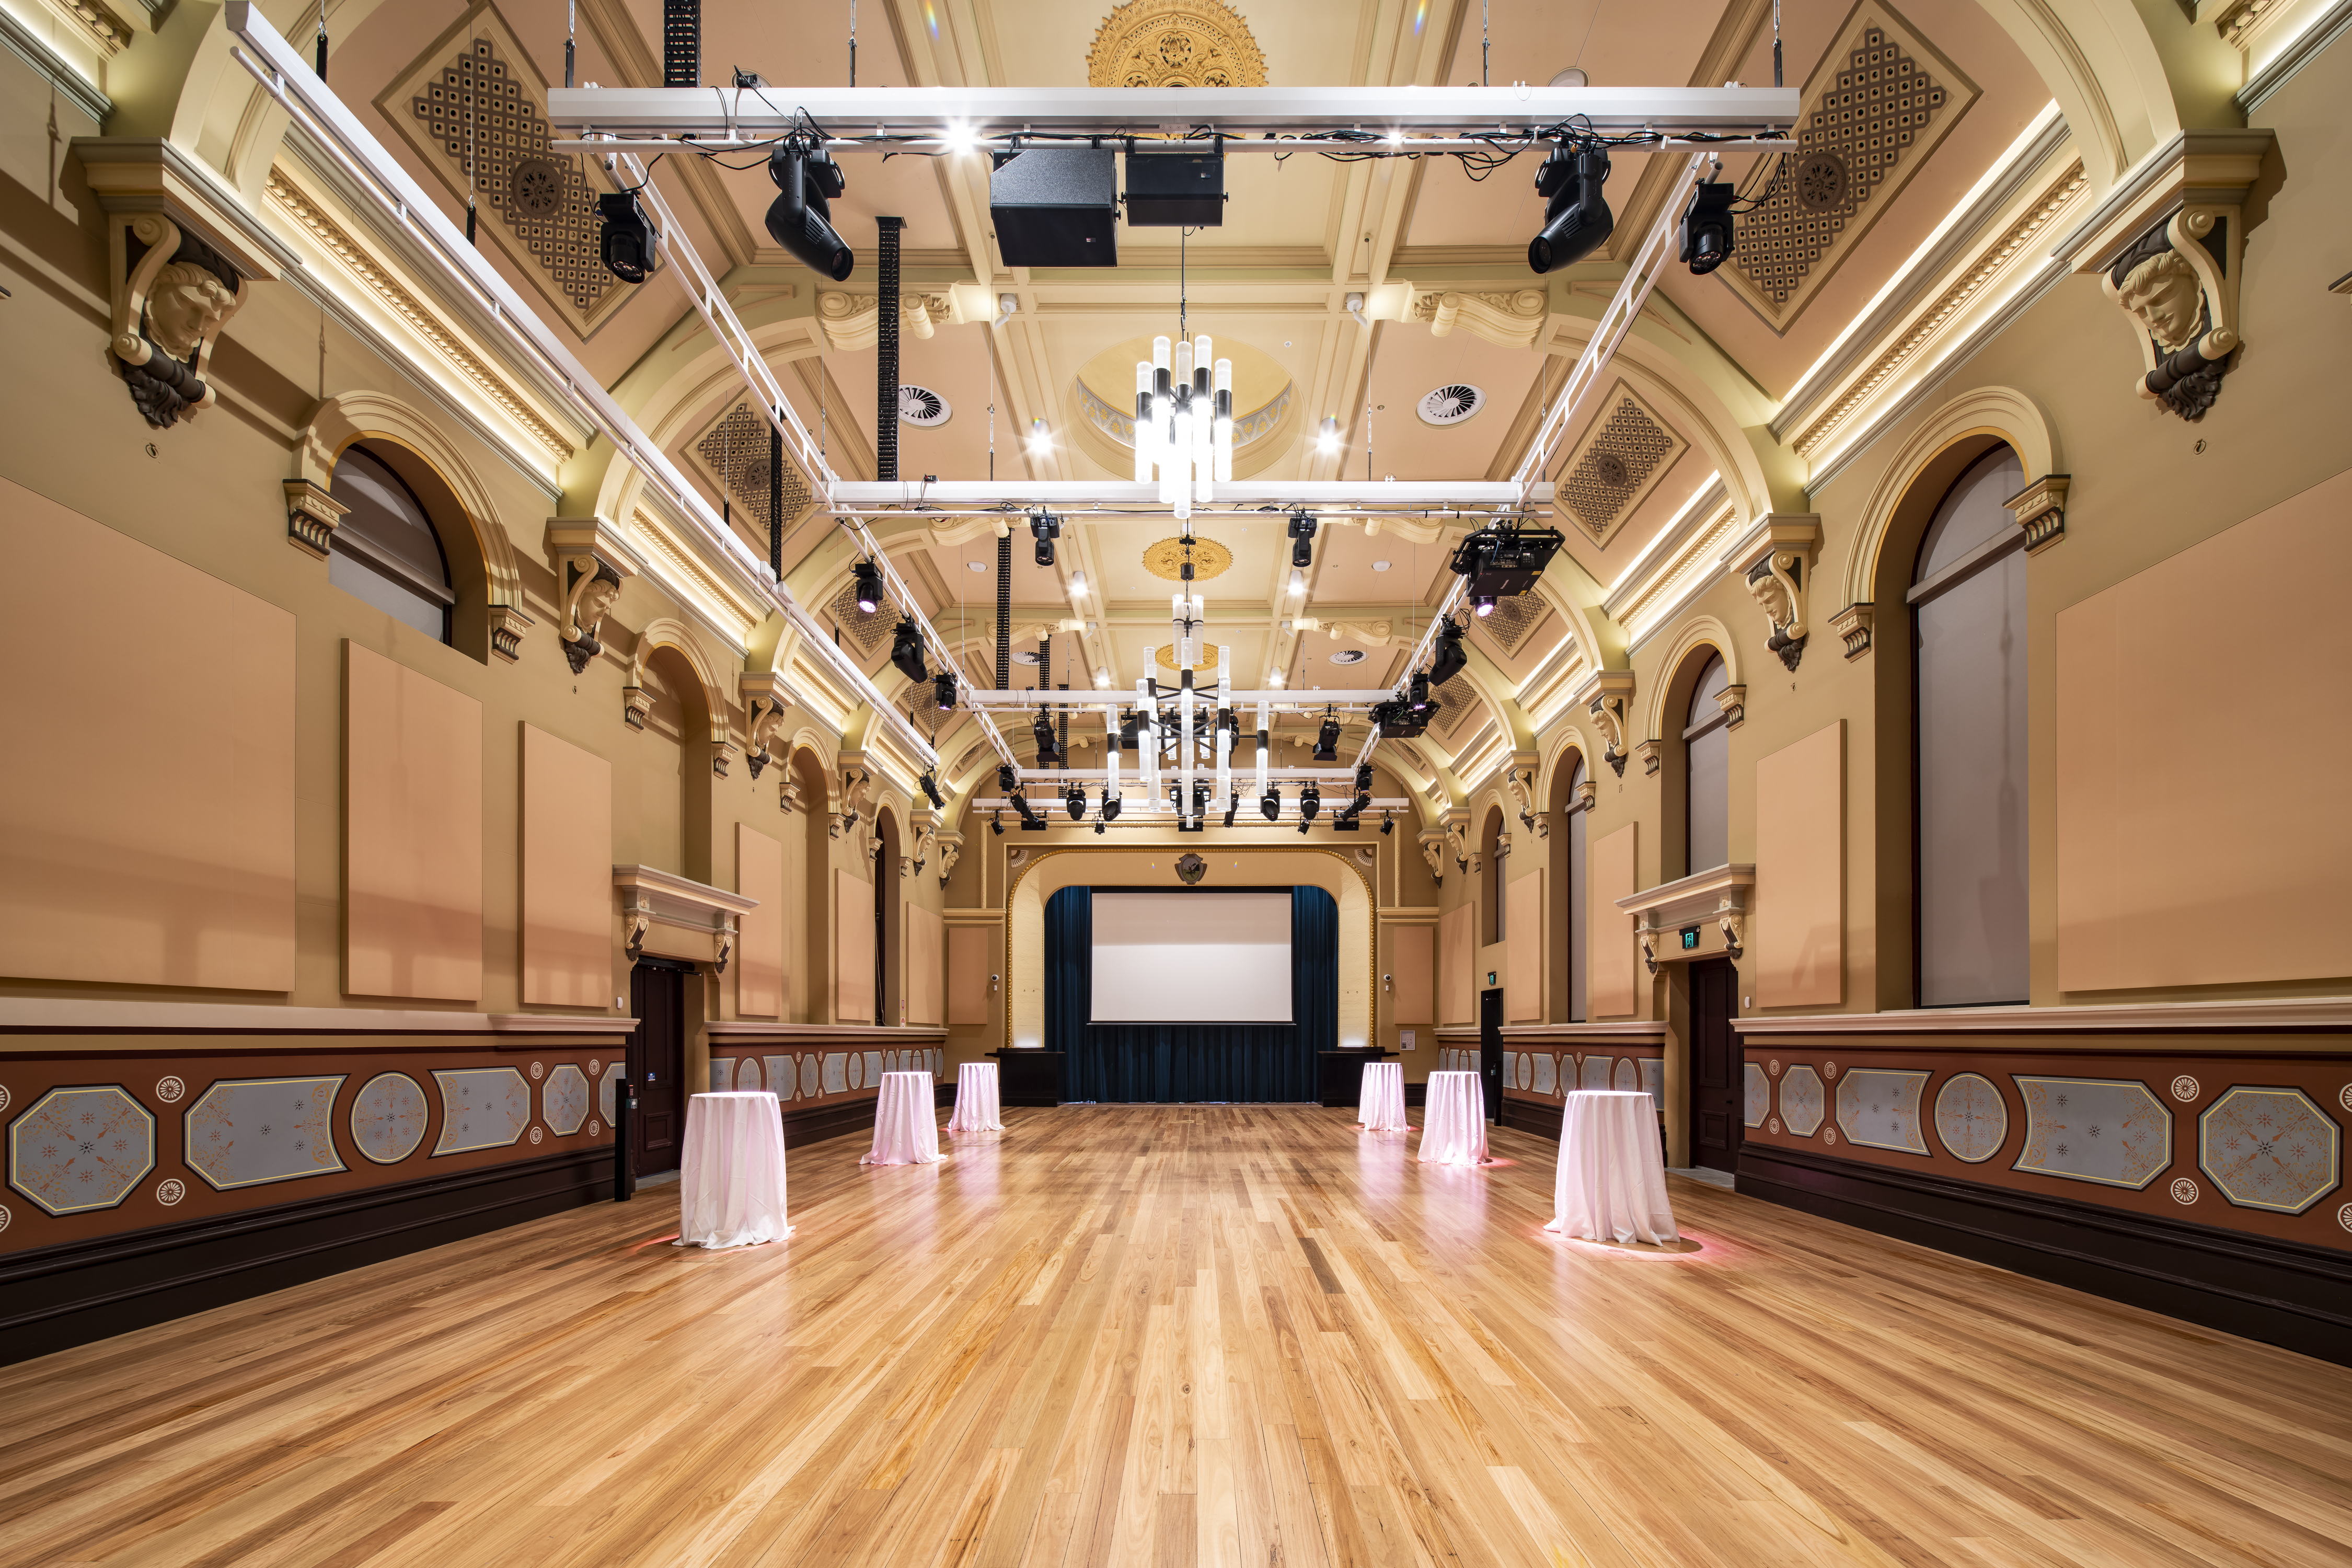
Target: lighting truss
<point x="1142" y="501"/>
<point x="289" y="80"/>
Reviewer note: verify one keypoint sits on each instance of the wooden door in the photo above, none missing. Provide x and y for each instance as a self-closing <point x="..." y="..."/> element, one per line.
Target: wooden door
<point x="1490" y="1051"/>
<point x="1714" y="1076"/>
<point x="657" y="1065"/>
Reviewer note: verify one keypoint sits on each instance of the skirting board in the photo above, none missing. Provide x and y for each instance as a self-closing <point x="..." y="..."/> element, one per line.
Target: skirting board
<point x="55" y="1297"/>
<point x="2279" y="1292"/>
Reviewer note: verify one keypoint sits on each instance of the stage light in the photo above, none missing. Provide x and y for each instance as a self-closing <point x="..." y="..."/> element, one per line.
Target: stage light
<point x="1327" y="741"/>
<point x="1130" y="723"/>
<point x="1482" y="604"/>
<point x="907" y="651"/>
<point x="1364" y="778"/>
<point x="1504" y="559"/>
<point x="1270" y="802"/>
<point x="1044" y="729"/>
<point x="1397" y="719"/>
<point x="868" y="579"/>
<point x="1110" y="804"/>
<point x="996" y="823"/>
<point x="801" y="219"/>
<point x="1233" y="805"/>
<point x="1419" y="690"/>
<point x="1707" y="231"/>
<point x="1327" y="438"/>
<point x="960" y="140"/>
<point x="943" y="690"/>
<point x="931" y="789"/>
<point x="1388" y="824"/>
<point x="1310" y="800"/>
<point x="626" y="241"/>
<point x="1576" y="218"/>
<point x="1302" y="537"/>
<point x="1046" y="527"/>
<point x="1076" y="803"/>
<point x="1447" y="661"/>
<point x="1041" y="441"/>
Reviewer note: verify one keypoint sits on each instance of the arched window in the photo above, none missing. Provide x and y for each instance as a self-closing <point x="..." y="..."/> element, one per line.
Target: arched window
<point x="1706" y="773"/>
<point x="385" y="549"/>
<point x="1569" y="887"/>
<point x="1490" y="879"/>
<point x="886" y="916"/>
<point x="1967" y="614"/>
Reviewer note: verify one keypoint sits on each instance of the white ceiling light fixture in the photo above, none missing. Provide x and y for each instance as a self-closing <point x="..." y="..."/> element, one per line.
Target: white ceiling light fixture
<point x="1327" y="438"/>
<point x="1380" y="565"/>
<point x="1078" y="585"/>
<point x="1184" y="422"/>
<point x="922" y="407"/>
<point x="1348" y="655"/>
<point x="1041" y="439"/>
<point x="1449" y="404"/>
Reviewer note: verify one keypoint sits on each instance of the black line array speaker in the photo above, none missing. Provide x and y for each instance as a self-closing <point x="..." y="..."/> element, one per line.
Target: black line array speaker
<point x="1056" y="206"/>
<point x="1175" y="190"/>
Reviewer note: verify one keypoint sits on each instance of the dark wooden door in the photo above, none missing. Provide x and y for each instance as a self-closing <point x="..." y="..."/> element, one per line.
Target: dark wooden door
<point x="657" y="1065"/>
<point x="1490" y="1051"/>
<point x="1714" y="1076"/>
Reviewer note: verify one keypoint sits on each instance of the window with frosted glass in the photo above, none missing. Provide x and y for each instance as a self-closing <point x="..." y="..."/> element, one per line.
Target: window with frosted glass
<point x="1707" y="774"/>
<point x="1968" y="612"/>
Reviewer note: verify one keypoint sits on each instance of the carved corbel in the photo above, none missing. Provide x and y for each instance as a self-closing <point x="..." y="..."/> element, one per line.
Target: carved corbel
<point x="950" y="851"/>
<point x="637" y="919"/>
<point x="1649" y="940"/>
<point x="1433" y="849"/>
<point x="311" y="515"/>
<point x="909" y="866"/>
<point x="765" y="698"/>
<point x="508" y="625"/>
<point x="1733" y="921"/>
<point x="1652" y="753"/>
<point x="2040" y="509"/>
<point x="177" y="293"/>
<point x="1507" y="319"/>
<point x="1457" y="842"/>
<point x="1777" y="575"/>
<point x="1732" y="700"/>
<point x="636" y="705"/>
<point x="1852" y="627"/>
<point x="2176" y="283"/>
<point x="590" y="564"/>
<point x="1586" y="791"/>
<point x="1519" y="780"/>
<point x="722" y="757"/>
<point x="790" y="797"/>
<point x="1607" y="696"/>
<point x="730" y="927"/>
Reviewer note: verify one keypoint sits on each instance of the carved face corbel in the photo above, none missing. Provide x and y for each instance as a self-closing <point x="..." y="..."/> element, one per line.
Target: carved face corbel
<point x="591" y="586"/>
<point x="176" y="296"/>
<point x="1608" y="716"/>
<point x="1778" y="582"/>
<point x="950" y="851"/>
<point x="637" y="919"/>
<point x="1458" y="843"/>
<point x="767" y="716"/>
<point x="1521" y="784"/>
<point x="725" y="946"/>
<point x="1733" y="924"/>
<point x="1649" y="939"/>
<point x="2176" y="285"/>
<point x="1432" y="847"/>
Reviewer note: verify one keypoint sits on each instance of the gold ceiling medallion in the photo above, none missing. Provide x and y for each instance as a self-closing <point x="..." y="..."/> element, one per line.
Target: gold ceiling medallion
<point x="1174" y="43"/>
<point x="1166" y="559"/>
<point x="1205" y="657"/>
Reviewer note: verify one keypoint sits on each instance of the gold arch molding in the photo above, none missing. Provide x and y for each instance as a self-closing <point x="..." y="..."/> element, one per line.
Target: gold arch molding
<point x="1174" y="43"/>
<point x="1166" y="559"/>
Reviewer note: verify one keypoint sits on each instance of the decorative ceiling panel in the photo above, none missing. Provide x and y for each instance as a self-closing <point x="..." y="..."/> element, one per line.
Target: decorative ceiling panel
<point x="866" y="631"/>
<point x="732" y="452"/>
<point x="1514" y="620"/>
<point x="1874" y="109"/>
<point x="1174" y="43"/>
<point x="473" y="104"/>
<point x="1626" y="450"/>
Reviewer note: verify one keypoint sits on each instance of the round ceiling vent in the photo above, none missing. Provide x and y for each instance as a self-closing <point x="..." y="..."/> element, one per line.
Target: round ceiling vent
<point x="1450" y="404"/>
<point x="921" y="405"/>
<point x="1348" y="656"/>
<point x="1026" y="656"/>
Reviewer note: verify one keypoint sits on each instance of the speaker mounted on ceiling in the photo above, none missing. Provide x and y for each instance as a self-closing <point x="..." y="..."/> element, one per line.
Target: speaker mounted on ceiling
<point x="1176" y="190"/>
<point x="1056" y="206"/>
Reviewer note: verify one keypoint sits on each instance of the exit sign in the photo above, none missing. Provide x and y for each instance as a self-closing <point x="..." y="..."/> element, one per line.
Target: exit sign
<point x="1690" y="939"/>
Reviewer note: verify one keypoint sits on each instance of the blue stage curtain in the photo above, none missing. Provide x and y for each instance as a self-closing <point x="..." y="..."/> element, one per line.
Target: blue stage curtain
<point x="1173" y="1062"/>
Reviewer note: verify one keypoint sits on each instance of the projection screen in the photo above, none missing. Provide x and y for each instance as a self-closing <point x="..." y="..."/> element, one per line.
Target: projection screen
<point x="1192" y="958"/>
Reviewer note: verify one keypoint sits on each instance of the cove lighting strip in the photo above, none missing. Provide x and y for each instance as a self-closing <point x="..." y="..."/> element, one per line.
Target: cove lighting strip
<point x="1065" y="497"/>
<point x="289" y="80"/>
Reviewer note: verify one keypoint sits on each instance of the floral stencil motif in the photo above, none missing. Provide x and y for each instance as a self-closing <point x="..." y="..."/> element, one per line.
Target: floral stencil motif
<point x="563" y="1103"/>
<point x="1878" y="1108"/>
<point x="388" y="1118"/>
<point x="2269" y="1149"/>
<point x="244" y="1132"/>
<point x="1759" y="1095"/>
<point x="1971" y="1118"/>
<point x="2115" y="1133"/>
<point x="76" y="1150"/>
<point x="481" y="1108"/>
<point x="1803" y="1101"/>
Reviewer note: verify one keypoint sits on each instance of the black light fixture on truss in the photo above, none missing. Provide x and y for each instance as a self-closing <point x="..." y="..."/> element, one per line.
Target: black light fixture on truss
<point x="1075" y="803"/>
<point x="1302" y="537"/>
<point x="907" y="651"/>
<point x="801" y="219"/>
<point x="1110" y="807"/>
<point x="1310" y="800"/>
<point x="996" y="822"/>
<point x="1327" y="739"/>
<point x="1048" y="527"/>
<point x="1270" y="803"/>
<point x="626" y="242"/>
<point x="1047" y="750"/>
<point x="929" y="781"/>
<point x="1504" y="559"/>
<point x="867" y="579"/>
<point x="1576" y="217"/>
<point x="1233" y="805"/>
<point x="943" y="690"/>
<point x="1708" y="233"/>
<point x="1447" y="661"/>
<point x="1388" y="824"/>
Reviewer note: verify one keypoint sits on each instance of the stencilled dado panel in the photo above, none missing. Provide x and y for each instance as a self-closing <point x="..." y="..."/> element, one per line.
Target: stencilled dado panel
<point x="474" y="108"/>
<point x="163" y="1130"/>
<point x="481" y="1108"/>
<point x="1874" y="109"/>
<point x="2243" y="1141"/>
<point x="1623" y="453"/>
<point x="1548" y="1074"/>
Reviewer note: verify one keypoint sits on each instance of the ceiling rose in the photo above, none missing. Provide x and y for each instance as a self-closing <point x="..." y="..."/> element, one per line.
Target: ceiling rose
<point x="1174" y="43"/>
<point x="1166" y="559"/>
<point x="1203" y="657"/>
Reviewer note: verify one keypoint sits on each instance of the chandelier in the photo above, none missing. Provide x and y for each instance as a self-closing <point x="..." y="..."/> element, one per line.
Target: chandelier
<point x="1184" y="422"/>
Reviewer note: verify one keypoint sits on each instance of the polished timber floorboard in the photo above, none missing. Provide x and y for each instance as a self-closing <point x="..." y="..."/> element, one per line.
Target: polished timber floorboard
<point x="1244" y="1334"/>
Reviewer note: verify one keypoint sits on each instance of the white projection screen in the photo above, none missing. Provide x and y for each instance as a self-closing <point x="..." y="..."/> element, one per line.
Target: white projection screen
<point x="1192" y="958"/>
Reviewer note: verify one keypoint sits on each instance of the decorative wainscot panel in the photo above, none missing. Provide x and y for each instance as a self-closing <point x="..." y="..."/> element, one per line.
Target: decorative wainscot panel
<point x="825" y="1077"/>
<point x="1544" y="1064"/>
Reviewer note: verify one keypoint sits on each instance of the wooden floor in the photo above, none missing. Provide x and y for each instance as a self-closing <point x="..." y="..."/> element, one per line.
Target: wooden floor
<point x="1175" y="1335"/>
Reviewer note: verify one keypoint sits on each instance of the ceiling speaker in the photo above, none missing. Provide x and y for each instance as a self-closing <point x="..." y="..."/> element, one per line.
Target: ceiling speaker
<point x="1056" y="206"/>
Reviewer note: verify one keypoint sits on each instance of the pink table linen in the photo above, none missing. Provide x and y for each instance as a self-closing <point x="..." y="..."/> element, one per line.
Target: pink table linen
<point x="1612" y="1178"/>
<point x="730" y="1179"/>
<point x="1454" y="1123"/>
<point x="976" y="1107"/>
<point x="1380" y="1106"/>
<point x="906" y="1122"/>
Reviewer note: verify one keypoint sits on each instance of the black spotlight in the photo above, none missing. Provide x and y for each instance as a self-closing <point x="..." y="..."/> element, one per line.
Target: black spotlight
<point x="943" y="689"/>
<point x="1364" y="778"/>
<point x="1310" y="800"/>
<point x="626" y="243"/>
<point x="1576" y="219"/>
<point x="1397" y="720"/>
<point x="1707" y="231"/>
<point x="1388" y="824"/>
<point x="1327" y="741"/>
<point x="1482" y="604"/>
<point x="868" y="579"/>
<point x="1075" y="803"/>
<point x="1046" y="750"/>
<point x="1302" y="536"/>
<point x="1504" y="559"/>
<point x="1110" y="804"/>
<point x="801" y="220"/>
<point x="996" y="823"/>
<point x="1270" y="802"/>
<point x="1129" y="722"/>
<point x="1447" y="661"/>
<point x="1047" y="529"/>
<point x="1233" y="805"/>
<point x="906" y="652"/>
<point x="1419" y="689"/>
<point x="932" y="787"/>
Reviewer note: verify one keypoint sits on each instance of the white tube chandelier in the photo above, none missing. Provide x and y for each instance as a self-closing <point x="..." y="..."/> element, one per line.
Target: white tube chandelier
<point x="1184" y="422"/>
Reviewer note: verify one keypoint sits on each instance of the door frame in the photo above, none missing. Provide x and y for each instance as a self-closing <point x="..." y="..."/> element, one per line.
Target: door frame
<point x="636" y="1052"/>
<point x="1693" y="1106"/>
<point x="1490" y="1050"/>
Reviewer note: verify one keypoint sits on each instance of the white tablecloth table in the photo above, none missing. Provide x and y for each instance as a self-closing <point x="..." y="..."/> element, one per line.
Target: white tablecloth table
<point x="1380" y="1106"/>
<point x="730" y="1179"/>
<point x="906" y="1122"/>
<point x="1612" y="1178"/>
<point x="976" y="1106"/>
<point x="1454" y="1121"/>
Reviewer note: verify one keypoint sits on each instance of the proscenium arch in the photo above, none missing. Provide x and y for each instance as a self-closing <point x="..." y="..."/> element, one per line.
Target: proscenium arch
<point x="1334" y="869"/>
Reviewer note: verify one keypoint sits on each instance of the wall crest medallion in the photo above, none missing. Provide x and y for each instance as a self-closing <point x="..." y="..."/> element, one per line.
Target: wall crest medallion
<point x="1190" y="869"/>
<point x="177" y="295"/>
<point x="1174" y="43"/>
<point x="2176" y="285"/>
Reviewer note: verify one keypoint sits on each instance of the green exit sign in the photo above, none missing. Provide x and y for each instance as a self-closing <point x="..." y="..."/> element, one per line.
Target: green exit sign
<point x="1490" y="977"/>
<point x="1690" y="939"/>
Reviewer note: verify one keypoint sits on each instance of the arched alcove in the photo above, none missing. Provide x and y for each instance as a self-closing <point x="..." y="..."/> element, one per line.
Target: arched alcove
<point x="1568" y="889"/>
<point x="889" y="844"/>
<point x="806" y="770"/>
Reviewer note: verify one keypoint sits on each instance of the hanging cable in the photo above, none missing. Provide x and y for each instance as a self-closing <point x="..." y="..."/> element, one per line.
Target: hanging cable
<point x="776" y="498"/>
<point x="853" y="43"/>
<point x="571" y="38"/>
<point x="322" y="40"/>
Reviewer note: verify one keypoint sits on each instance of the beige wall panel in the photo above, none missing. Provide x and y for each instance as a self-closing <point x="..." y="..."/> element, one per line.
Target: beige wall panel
<point x="759" y="939"/>
<point x="924" y="965"/>
<point x="1800" y="938"/>
<point x="853" y="949"/>
<point x="412" y="833"/>
<point x="170" y="863"/>
<point x="2239" y="879"/>
<point x="1456" y="948"/>
<point x="1523" y="946"/>
<point x="567" y="873"/>
<point x="970" y="961"/>
<point x="1410" y="960"/>
<point x="1610" y="960"/>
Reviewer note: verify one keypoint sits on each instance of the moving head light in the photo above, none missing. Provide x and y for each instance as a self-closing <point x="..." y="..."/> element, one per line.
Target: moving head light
<point x="1270" y="802"/>
<point x="1044" y="729"/>
<point x="1397" y="720"/>
<point x="906" y="652"/>
<point x="1327" y="741"/>
<point x="1504" y="559"/>
<point x="1302" y="537"/>
<point x="1577" y="220"/>
<point x="1075" y="802"/>
<point x="867" y="579"/>
<point x="801" y="219"/>
<point x="1048" y="527"/>
<point x="931" y="789"/>
<point x="1707" y="231"/>
<point x="1447" y="661"/>
<point x="626" y="241"/>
